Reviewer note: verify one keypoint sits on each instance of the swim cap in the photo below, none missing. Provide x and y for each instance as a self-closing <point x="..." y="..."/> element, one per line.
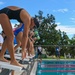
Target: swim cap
<point x="38" y="37"/>
<point x="36" y="34"/>
<point x="36" y="22"/>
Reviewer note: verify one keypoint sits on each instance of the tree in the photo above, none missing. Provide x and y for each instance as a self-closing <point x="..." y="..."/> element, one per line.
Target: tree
<point x="50" y="36"/>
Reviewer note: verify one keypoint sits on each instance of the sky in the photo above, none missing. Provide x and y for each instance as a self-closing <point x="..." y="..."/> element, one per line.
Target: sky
<point x="63" y="10"/>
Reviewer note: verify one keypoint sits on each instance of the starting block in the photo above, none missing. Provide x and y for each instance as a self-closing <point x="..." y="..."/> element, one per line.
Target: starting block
<point x="28" y="64"/>
<point x="9" y="66"/>
<point x="6" y="68"/>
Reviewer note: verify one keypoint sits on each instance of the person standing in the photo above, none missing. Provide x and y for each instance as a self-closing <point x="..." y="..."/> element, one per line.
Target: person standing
<point x="57" y="51"/>
<point x="39" y="51"/>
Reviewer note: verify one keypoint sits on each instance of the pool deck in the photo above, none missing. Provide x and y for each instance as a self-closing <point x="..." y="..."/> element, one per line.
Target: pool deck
<point x="34" y="69"/>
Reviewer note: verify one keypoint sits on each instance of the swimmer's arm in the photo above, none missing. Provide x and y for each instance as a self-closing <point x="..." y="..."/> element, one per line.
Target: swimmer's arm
<point x="25" y="33"/>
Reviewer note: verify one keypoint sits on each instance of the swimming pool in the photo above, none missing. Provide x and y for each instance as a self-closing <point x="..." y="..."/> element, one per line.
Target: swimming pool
<point x="56" y="67"/>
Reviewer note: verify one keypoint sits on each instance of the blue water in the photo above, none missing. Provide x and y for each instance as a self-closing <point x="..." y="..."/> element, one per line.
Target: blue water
<point x="56" y="68"/>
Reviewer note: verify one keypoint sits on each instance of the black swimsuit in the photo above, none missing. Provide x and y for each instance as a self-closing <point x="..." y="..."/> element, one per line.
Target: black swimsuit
<point x="12" y="14"/>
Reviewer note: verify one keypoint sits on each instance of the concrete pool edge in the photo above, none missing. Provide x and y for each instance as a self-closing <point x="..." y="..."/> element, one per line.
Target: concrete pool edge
<point x="34" y="69"/>
<point x="60" y="59"/>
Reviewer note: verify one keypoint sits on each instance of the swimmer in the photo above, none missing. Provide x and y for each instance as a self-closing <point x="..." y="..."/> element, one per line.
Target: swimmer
<point x="18" y="32"/>
<point x="22" y="16"/>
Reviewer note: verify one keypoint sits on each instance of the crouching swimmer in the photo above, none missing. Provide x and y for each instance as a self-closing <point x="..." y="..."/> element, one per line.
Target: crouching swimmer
<point x="22" y="16"/>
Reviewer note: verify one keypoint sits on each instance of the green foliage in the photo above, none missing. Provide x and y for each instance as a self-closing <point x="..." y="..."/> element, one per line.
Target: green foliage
<point x="50" y="36"/>
<point x="44" y="56"/>
<point x="48" y="33"/>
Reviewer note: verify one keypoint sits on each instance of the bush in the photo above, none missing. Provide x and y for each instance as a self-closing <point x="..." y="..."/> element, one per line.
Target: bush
<point x="61" y="57"/>
<point x="44" y="56"/>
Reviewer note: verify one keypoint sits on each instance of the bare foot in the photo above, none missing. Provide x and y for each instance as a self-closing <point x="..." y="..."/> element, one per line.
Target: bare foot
<point x="3" y="59"/>
<point x="16" y="63"/>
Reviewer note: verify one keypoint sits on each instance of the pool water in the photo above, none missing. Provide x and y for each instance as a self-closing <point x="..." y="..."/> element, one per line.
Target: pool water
<point x="56" y="67"/>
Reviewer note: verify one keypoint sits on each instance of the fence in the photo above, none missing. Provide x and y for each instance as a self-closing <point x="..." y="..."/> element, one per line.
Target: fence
<point x="49" y="50"/>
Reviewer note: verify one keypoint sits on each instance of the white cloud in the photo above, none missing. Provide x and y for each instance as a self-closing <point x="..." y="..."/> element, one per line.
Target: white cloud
<point x="1" y="3"/>
<point x="72" y="19"/>
<point x="58" y="23"/>
<point x="66" y="28"/>
<point x="69" y="30"/>
<point x="61" y="10"/>
<point x="73" y="11"/>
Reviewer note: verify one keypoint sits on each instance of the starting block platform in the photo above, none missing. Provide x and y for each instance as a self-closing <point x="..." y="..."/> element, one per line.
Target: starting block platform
<point x="9" y="66"/>
<point x="6" y="68"/>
